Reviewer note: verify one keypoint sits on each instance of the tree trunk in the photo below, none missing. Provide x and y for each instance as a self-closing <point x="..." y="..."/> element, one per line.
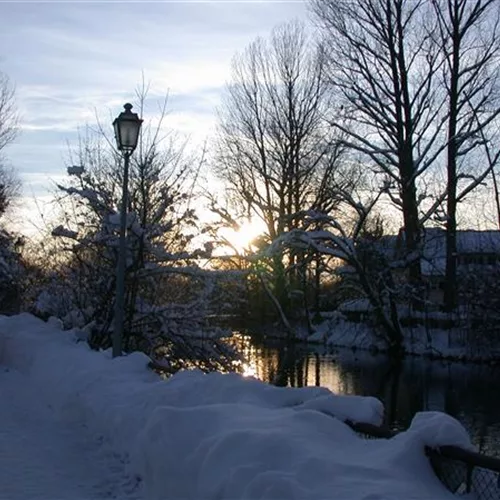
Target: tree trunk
<point x="450" y="285"/>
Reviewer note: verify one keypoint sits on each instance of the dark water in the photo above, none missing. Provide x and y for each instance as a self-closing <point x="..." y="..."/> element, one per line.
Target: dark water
<point x="470" y="393"/>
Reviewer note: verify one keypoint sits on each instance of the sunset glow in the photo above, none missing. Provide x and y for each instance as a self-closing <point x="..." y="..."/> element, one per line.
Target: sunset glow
<point x="242" y="239"/>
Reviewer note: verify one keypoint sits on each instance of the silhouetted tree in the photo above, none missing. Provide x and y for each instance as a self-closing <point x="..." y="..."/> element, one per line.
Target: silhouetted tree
<point x="383" y="69"/>
<point x="275" y="151"/>
<point x="469" y="43"/>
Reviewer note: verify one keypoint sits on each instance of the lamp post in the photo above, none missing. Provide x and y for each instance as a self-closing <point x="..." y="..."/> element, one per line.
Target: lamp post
<point x="127" y="127"/>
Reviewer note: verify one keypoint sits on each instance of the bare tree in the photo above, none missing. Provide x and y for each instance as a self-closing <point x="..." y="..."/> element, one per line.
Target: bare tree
<point x="10" y="187"/>
<point x="8" y="112"/>
<point x="9" y="182"/>
<point x="10" y="245"/>
<point x="275" y="152"/>
<point x="492" y="153"/>
<point x="469" y="42"/>
<point x="383" y="67"/>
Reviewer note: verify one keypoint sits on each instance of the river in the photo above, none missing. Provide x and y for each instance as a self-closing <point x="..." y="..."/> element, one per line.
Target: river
<point x="470" y="393"/>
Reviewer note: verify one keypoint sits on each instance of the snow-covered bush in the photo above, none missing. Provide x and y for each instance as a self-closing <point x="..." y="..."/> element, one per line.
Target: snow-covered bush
<point x="168" y="296"/>
<point x="348" y="249"/>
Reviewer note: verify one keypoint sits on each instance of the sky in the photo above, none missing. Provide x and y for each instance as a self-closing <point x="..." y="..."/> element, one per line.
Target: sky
<point x="74" y="60"/>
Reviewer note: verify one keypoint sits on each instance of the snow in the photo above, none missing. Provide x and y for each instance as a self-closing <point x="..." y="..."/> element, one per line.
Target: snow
<point x="439" y="429"/>
<point x="357" y="305"/>
<point x="44" y="458"/>
<point x="193" y="436"/>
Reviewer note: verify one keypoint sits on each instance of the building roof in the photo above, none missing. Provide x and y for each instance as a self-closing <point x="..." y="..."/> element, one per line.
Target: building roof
<point x="469" y="242"/>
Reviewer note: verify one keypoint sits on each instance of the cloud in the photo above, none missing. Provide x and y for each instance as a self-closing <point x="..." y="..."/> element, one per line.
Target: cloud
<point x="72" y="61"/>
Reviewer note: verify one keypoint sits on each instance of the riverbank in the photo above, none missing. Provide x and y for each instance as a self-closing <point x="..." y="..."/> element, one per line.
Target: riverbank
<point x="451" y="344"/>
<point x="334" y="330"/>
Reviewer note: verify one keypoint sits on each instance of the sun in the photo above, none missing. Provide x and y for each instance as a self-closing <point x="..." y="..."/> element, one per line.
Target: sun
<point x="241" y="239"/>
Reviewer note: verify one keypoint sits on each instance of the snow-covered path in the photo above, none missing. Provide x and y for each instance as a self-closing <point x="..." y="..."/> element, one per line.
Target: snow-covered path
<point x="195" y="436"/>
<point x="42" y="458"/>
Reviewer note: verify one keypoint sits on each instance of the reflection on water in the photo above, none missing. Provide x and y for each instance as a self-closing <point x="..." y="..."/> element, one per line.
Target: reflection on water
<point x="468" y="392"/>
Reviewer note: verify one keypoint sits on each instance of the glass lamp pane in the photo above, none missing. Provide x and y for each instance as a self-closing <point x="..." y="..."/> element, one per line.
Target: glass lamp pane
<point x="127" y="127"/>
<point x="128" y="134"/>
<point x="116" y="126"/>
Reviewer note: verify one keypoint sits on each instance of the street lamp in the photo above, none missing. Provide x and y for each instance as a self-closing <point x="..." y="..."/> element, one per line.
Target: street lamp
<point x="127" y="127"/>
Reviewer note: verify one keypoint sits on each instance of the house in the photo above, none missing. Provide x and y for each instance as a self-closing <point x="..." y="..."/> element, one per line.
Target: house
<point x="478" y="260"/>
<point x="476" y="251"/>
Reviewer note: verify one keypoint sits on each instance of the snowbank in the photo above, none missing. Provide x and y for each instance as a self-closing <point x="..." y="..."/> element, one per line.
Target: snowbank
<point x="222" y="436"/>
<point x="438" y="429"/>
<point x="337" y="331"/>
